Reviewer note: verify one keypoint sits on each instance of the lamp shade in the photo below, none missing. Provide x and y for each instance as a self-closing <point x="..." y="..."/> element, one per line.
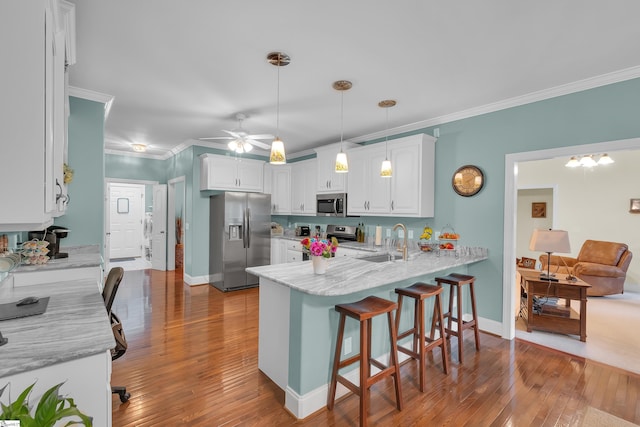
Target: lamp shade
<point x="550" y="241"/>
<point x="342" y="166"/>
<point x="277" y="157"/>
<point x="385" y="170"/>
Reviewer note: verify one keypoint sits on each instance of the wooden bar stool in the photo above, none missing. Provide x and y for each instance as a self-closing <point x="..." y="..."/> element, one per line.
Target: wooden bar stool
<point x="421" y="343"/>
<point x="364" y="311"/>
<point x="456" y="281"/>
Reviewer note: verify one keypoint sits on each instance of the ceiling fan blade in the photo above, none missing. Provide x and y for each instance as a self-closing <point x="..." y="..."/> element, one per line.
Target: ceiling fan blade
<point x="261" y="145"/>
<point x="261" y="136"/>
<point x="234" y="134"/>
<point x="217" y="137"/>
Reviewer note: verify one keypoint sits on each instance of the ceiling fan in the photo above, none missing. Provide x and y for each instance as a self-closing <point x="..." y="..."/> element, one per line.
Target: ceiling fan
<point x="241" y="140"/>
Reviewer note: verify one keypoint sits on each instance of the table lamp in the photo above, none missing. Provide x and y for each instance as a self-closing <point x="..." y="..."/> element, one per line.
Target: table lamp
<point x="549" y="241"/>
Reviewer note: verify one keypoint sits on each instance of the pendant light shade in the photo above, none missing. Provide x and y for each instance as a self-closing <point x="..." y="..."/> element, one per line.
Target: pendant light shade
<point x="385" y="169"/>
<point x="342" y="164"/>
<point x="278" y="156"/>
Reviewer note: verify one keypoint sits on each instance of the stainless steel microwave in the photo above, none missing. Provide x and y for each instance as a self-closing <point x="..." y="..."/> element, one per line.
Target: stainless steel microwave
<point x="331" y="205"/>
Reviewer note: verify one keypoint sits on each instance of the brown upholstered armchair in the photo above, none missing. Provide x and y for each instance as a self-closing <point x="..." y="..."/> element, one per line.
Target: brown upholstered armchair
<point x="603" y="265"/>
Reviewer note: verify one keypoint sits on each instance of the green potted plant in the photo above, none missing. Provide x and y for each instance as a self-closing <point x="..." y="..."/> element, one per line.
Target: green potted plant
<point x="51" y="408"/>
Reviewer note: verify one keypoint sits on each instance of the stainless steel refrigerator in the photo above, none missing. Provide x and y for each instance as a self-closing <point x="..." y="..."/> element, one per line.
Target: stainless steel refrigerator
<point x="240" y="237"/>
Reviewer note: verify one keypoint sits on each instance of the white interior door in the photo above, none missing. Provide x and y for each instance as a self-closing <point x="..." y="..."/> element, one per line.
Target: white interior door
<point x="159" y="235"/>
<point x="126" y="215"/>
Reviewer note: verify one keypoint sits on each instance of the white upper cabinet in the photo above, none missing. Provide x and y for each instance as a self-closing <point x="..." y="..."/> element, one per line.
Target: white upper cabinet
<point x="409" y="192"/>
<point x="303" y="187"/>
<point x="230" y="173"/>
<point x="31" y="120"/>
<point x="368" y="192"/>
<point x="328" y="180"/>
<point x="281" y="189"/>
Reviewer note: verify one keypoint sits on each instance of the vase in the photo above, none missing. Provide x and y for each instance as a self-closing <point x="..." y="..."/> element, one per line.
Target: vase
<point x="319" y="264"/>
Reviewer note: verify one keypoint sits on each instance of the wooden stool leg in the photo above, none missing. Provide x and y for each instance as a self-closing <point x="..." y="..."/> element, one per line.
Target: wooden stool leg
<point x="421" y="330"/>
<point x="443" y="345"/>
<point x="365" y="369"/>
<point x="460" y="324"/>
<point x="393" y="337"/>
<point x="475" y="316"/>
<point x="336" y="364"/>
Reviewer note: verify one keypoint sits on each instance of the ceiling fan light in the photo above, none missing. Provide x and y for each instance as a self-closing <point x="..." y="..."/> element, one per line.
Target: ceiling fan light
<point x="247" y="146"/>
<point x="385" y="170"/>
<point x="605" y="160"/>
<point x="278" y="156"/>
<point x="342" y="165"/>
<point x="573" y="162"/>
<point x="233" y="145"/>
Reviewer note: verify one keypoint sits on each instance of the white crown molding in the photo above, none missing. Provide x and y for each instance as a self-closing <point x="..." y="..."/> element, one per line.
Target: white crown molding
<point x="136" y="154"/>
<point x="569" y="88"/>
<point x="578" y="86"/>
<point x="90" y="95"/>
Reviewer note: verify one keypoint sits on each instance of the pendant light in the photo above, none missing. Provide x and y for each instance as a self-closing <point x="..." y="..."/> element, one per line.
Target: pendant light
<point x="342" y="165"/>
<point x="385" y="170"/>
<point x="278" y="156"/>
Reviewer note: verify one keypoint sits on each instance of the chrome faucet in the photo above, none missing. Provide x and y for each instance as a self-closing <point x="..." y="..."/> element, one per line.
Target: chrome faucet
<point x="404" y="245"/>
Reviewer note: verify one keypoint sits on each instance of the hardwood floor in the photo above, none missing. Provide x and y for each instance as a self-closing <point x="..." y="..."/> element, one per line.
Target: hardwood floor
<point x="192" y="361"/>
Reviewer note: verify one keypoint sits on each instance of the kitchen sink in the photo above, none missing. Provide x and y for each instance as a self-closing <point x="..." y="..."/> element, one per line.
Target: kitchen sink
<point x="381" y="258"/>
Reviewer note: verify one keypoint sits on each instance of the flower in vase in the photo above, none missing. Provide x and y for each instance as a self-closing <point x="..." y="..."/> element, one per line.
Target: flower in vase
<point x="320" y="247"/>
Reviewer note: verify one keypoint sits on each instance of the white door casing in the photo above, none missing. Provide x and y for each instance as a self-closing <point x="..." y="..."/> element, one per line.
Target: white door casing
<point x="159" y="235"/>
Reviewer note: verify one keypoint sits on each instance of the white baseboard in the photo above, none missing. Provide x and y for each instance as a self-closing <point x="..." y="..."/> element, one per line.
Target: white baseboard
<point x="196" y="280"/>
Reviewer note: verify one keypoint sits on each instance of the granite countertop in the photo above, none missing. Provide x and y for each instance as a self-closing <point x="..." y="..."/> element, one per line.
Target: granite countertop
<point x="346" y="275"/>
<point x="75" y="325"/>
<point x="79" y="256"/>
<point x="347" y="244"/>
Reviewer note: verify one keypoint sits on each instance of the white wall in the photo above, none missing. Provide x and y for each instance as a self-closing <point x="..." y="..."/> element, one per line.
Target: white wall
<point x="593" y="203"/>
<point x="526" y="224"/>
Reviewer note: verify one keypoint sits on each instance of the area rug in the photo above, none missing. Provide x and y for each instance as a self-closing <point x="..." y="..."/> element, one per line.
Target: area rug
<point x="609" y="341"/>
<point x="597" y="418"/>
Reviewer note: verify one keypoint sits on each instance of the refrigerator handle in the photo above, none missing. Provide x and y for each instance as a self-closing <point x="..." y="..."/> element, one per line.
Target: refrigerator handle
<point x="247" y="216"/>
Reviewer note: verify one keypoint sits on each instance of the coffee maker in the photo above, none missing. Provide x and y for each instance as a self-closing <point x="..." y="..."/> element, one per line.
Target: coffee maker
<point x="53" y="235"/>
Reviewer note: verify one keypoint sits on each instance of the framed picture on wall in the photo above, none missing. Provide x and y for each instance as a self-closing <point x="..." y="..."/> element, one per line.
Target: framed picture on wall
<point x="539" y="210"/>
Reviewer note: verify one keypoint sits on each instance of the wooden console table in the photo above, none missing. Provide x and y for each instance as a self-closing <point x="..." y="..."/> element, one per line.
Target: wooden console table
<point x="550" y="317"/>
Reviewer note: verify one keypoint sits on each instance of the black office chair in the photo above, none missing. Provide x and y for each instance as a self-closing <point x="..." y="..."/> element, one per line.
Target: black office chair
<point x="109" y="294"/>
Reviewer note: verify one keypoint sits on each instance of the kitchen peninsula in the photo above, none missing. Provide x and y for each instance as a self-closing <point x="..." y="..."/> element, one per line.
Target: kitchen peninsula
<point x="70" y="342"/>
<point x="298" y="323"/>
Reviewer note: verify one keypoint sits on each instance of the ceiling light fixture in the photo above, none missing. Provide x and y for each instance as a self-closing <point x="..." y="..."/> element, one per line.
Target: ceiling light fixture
<point x="139" y="148"/>
<point x="342" y="165"/>
<point x="241" y="144"/>
<point x="587" y="161"/>
<point x="605" y="160"/>
<point x="573" y="162"/>
<point x="278" y="156"/>
<point x="385" y="170"/>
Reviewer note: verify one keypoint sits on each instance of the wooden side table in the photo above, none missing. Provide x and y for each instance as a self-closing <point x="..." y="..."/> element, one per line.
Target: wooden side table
<point x="550" y="317"/>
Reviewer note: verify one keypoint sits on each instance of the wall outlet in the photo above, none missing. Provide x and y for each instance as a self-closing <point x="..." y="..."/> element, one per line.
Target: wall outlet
<point x="388" y="230"/>
<point x="410" y="233"/>
<point x="400" y="233"/>
<point x="347" y="346"/>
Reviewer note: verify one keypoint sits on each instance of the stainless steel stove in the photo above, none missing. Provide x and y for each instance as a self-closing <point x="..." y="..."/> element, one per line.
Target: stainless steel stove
<point x="344" y="233"/>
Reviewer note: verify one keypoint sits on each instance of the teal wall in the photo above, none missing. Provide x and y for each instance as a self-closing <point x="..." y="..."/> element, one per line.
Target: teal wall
<point x="85" y="214"/>
<point x="135" y="167"/>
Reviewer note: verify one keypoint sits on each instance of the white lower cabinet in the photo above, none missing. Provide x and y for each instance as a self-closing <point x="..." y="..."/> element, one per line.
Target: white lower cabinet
<point x="278" y="251"/>
<point x="409" y="192"/>
<point x="303" y="187"/>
